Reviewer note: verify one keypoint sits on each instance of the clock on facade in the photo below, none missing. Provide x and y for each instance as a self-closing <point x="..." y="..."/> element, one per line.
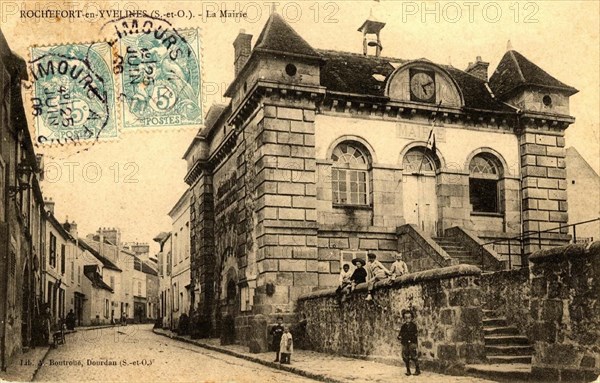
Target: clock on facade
<point x="422" y="86"/>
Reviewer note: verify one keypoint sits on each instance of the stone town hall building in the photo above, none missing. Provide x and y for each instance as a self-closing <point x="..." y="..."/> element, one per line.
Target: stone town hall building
<point x="323" y="155"/>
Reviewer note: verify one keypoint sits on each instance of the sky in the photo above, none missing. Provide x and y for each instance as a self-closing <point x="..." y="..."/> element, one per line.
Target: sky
<point x="134" y="181"/>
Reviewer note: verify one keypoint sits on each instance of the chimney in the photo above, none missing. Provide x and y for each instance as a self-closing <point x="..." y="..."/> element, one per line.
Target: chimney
<point x="242" y="48"/>
<point x="49" y="205"/>
<point x="478" y="69"/>
<point x="71" y="228"/>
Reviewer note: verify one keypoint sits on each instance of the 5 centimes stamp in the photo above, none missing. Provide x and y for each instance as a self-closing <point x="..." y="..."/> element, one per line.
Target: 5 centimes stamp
<point x="73" y="93"/>
<point x="161" y="78"/>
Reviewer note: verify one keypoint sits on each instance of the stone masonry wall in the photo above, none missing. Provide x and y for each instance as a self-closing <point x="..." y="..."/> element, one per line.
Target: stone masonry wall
<point x="565" y="309"/>
<point x="419" y="251"/>
<point x="544" y="185"/>
<point x="285" y="205"/>
<point x="507" y="293"/>
<point x="447" y="308"/>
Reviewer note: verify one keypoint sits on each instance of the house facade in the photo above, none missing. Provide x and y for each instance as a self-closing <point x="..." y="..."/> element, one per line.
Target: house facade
<point x="22" y="216"/>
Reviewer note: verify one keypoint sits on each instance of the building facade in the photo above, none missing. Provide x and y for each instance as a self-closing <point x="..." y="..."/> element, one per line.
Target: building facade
<point x="583" y="192"/>
<point x="322" y="156"/>
<point x="180" y="284"/>
<point x="165" y="311"/>
<point x="22" y="216"/>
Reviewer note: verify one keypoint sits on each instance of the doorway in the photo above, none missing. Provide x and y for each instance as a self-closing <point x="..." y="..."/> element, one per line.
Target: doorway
<point x="419" y="190"/>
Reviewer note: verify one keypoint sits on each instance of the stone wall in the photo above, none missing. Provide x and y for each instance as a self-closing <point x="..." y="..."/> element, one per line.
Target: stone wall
<point x="447" y="308"/>
<point x="507" y="293"/>
<point x="420" y="252"/>
<point x="565" y="309"/>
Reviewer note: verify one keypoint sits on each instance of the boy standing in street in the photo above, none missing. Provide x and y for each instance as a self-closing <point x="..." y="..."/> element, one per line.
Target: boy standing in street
<point x="408" y="339"/>
<point x="277" y="332"/>
<point x="286" y="347"/>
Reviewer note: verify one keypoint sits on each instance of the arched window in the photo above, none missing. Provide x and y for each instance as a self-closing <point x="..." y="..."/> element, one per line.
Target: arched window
<point x="485" y="172"/>
<point x="419" y="159"/>
<point x="231" y="292"/>
<point x="349" y="174"/>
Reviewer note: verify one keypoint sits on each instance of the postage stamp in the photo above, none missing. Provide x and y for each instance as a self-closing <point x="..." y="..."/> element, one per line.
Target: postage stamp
<point x="160" y="77"/>
<point x="73" y="93"/>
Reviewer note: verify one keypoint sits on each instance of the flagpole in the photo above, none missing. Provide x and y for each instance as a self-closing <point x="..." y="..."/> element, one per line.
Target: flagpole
<point x="429" y="138"/>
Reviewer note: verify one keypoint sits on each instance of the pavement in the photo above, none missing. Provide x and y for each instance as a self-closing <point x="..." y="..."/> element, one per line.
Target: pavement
<point x="135" y="354"/>
<point x="326" y="367"/>
<point x="19" y="370"/>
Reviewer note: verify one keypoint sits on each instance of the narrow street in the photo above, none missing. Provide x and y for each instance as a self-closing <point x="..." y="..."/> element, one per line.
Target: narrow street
<point x="135" y="354"/>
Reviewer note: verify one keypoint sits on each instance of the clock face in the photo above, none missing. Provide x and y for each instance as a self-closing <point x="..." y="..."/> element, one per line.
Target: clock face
<point x="422" y="86"/>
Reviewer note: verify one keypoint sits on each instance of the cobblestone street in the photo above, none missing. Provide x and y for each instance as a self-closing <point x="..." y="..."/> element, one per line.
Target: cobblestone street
<point x="136" y="354"/>
<point x="141" y="356"/>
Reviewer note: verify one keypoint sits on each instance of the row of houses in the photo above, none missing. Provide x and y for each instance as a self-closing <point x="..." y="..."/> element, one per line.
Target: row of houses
<point x="176" y="294"/>
<point x="44" y="263"/>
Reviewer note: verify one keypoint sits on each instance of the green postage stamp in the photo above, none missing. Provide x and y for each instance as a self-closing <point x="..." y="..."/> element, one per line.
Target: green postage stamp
<point x="74" y="93"/>
<point x="161" y="79"/>
<point x="148" y="79"/>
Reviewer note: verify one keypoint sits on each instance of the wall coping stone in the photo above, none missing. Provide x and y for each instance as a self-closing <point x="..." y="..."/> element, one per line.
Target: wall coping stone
<point x="407" y="279"/>
<point x="558" y="254"/>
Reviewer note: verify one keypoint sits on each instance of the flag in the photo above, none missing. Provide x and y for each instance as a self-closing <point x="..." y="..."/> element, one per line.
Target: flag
<point x="431" y="141"/>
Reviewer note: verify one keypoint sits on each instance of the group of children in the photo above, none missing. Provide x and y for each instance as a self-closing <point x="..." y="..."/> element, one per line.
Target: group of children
<point x="283" y="343"/>
<point x="365" y="272"/>
<point x="370" y="272"/>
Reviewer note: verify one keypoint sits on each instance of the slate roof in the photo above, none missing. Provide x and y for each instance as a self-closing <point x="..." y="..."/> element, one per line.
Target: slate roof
<point x="279" y="36"/>
<point x="143" y="267"/>
<point x="353" y="73"/>
<point x="91" y="272"/>
<point x="515" y="70"/>
<point x="105" y="261"/>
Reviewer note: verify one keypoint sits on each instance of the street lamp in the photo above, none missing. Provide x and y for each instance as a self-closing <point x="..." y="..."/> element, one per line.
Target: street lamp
<point x="24" y="172"/>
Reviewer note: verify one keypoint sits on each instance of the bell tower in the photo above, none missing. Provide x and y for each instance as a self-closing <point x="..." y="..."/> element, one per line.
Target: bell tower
<point x="371" y="29"/>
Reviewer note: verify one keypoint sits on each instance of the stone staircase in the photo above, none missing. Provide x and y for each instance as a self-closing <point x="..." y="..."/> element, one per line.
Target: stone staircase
<point x="456" y="250"/>
<point x="503" y="343"/>
<point x="508" y="353"/>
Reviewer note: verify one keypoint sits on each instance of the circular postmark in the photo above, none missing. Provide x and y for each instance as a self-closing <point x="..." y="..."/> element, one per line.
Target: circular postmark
<point x="160" y="73"/>
<point x="73" y="92"/>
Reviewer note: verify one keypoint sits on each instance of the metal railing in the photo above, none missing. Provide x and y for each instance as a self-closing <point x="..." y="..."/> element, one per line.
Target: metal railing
<point x="516" y="246"/>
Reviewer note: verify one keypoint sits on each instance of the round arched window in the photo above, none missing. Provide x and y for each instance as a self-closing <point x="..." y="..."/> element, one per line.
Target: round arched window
<point x="349" y="174"/>
<point x="485" y="172"/>
<point x="418" y="159"/>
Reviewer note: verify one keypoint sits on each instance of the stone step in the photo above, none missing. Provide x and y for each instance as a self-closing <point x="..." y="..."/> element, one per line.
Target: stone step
<point x="458" y="253"/>
<point x="494" y="322"/>
<point x="492" y="350"/>
<point x="500" y="371"/>
<point x="506" y="359"/>
<point x="506" y="340"/>
<point x="500" y="330"/>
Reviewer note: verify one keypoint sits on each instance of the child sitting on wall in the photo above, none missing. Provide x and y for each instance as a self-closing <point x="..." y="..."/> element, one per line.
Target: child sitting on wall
<point x="345" y="283"/>
<point x="377" y="272"/>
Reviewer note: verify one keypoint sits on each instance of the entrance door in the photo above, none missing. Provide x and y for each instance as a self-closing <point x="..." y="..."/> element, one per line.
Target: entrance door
<point x="420" y="202"/>
<point x="419" y="194"/>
